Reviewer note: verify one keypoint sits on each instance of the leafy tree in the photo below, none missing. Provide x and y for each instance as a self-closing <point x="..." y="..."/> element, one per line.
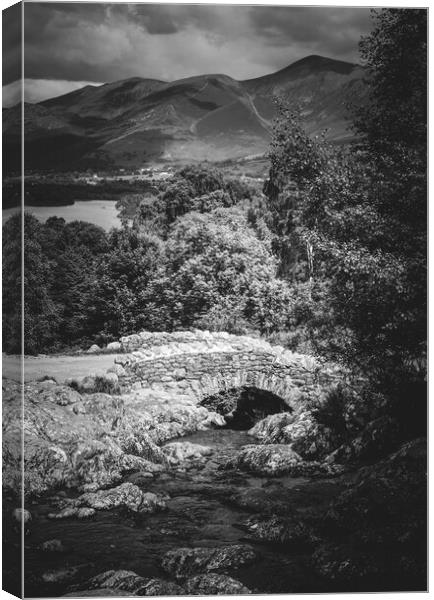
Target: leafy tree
<point x="41" y="314"/>
<point x="218" y="266"/>
<point x="11" y="294"/>
<point x="117" y="302"/>
<point x="177" y="199"/>
<point x="203" y="179"/>
<point x="357" y="220"/>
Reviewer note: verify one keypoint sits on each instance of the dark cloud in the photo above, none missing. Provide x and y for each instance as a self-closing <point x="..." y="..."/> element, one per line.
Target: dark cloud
<point x="104" y="42"/>
<point x="11" y="43"/>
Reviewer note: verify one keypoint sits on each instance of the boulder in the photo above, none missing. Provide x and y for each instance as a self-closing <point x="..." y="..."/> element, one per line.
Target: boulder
<point x="97" y="593"/>
<point x="214" y="584"/>
<point x="118" y="370"/>
<point x="64" y="575"/>
<point x="179" y="452"/>
<point x="114" y="347"/>
<point x="126" y="495"/>
<point x="184" y="562"/>
<point x="159" y="587"/>
<point x="62" y="395"/>
<point x="271" y="429"/>
<point x="22" y="516"/>
<point x="273" y="459"/>
<point x="133" y="584"/>
<point x="54" y="545"/>
<point x="93" y="349"/>
<point x="281" y="530"/>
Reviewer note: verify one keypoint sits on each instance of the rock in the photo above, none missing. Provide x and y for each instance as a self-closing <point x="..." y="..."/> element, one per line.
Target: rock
<point x="184" y="562"/>
<point x="22" y="516"/>
<point x="344" y="565"/>
<point x="215" y="584"/>
<point x="273" y="459"/>
<point x="111" y="579"/>
<point x="129" y="581"/>
<point x="102" y="592"/>
<point x="118" y="370"/>
<point x="54" y="545"/>
<point x="85" y="513"/>
<point x="47" y="384"/>
<point x="126" y="495"/>
<point x="111" y="379"/>
<point x="63" y="575"/>
<point x="94" y="348"/>
<point x="159" y="587"/>
<point x="282" y="530"/>
<point x="73" y="512"/>
<point x="86" y="385"/>
<point x="307" y="437"/>
<point x="114" y="347"/>
<point x="269" y="430"/>
<point x="384" y="514"/>
<point x="61" y="395"/>
<point x="179" y="452"/>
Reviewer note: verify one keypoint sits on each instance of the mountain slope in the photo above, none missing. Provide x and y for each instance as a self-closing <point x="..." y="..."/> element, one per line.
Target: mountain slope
<point x="136" y="121"/>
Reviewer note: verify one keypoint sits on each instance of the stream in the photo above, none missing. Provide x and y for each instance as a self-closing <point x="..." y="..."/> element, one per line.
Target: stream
<point x="207" y="505"/>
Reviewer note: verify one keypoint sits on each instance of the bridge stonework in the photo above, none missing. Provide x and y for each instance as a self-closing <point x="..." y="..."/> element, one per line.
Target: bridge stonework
<point x="200" y="363"/>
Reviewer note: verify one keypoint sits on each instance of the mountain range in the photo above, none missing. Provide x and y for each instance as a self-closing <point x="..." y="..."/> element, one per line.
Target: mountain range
<point x="135" y="122"/>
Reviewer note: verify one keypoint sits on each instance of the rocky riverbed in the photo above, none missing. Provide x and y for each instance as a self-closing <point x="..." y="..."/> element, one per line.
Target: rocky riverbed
<point x="154" y="495"/>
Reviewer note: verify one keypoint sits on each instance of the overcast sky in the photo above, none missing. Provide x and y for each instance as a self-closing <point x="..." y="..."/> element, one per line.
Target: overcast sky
<point x="70" y="44"/>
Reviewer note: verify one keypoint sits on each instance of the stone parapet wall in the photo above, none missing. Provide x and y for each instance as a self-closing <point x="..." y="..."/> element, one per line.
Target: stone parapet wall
<point x="151" y="339"/>
<point x="201" y="363"/>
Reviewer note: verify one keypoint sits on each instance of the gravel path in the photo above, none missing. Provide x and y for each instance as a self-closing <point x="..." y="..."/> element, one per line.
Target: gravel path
<point x="60" y="367"/>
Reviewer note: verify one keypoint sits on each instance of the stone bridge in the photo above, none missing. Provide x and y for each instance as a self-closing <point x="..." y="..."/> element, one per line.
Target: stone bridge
<point x="200" y="364"/>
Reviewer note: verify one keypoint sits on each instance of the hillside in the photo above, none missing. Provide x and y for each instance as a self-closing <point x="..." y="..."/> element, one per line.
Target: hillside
<point x="132" y="122"/>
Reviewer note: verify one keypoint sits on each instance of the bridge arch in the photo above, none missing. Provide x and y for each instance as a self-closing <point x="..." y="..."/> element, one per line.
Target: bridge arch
<point x="201" y="364"/>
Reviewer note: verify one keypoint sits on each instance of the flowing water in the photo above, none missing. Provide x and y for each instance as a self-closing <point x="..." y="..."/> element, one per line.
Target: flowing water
<point x="207" y="505"/>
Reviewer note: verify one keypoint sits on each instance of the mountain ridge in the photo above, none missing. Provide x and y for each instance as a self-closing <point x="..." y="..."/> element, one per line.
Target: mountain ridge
<point x="135" y="121"/>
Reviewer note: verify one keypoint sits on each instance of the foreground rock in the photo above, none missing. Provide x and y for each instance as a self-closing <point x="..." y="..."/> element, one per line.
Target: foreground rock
<point x="54" y="545"/>
<point x="90" y="441"/>
<point x="183" y="562"/>
<point x="281" y="530"/>
<point x="180" y="452"/>
<point x="214" y="584"/>
<point x="131" y="584"/>
<point x="126" y="495"/>
<point x="279" y="459"/>
<point x="98" y="593"/>
<point x="382" y="518"/>
<point x="300" y="430"/>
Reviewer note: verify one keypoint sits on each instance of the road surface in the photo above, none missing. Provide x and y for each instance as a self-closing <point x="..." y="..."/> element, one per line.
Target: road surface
<point x="60" y="367"/>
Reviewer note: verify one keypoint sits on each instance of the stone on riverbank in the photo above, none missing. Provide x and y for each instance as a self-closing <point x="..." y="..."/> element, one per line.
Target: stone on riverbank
<point x="274" y="460"/>
<point x="215" y="584"/>
<point x="22" y="516"/>
<point x="183" y="562"/>
<point x="281" y="530"/>
<point x="179" y="452"/>
<point x="133" y="584"/>
<point x="90" y="441"/>
<point x="53" y="546"/>
<point x="126" y="495"/>
<point x="310" y="439"/>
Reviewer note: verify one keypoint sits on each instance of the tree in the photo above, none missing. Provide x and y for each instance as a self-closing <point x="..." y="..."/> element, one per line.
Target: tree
<point x="218" y="273"/>
<point x="358" y="219"/>
<point x="118" y="299"/>
<point x="11" y="294"/>
<point x="41" y="314"/>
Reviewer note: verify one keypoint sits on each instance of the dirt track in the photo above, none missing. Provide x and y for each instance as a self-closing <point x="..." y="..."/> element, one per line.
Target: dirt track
<point x="60" y="367"/>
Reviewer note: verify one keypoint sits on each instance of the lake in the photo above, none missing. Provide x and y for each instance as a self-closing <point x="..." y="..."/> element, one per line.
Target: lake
<point x="99" y="212"/>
